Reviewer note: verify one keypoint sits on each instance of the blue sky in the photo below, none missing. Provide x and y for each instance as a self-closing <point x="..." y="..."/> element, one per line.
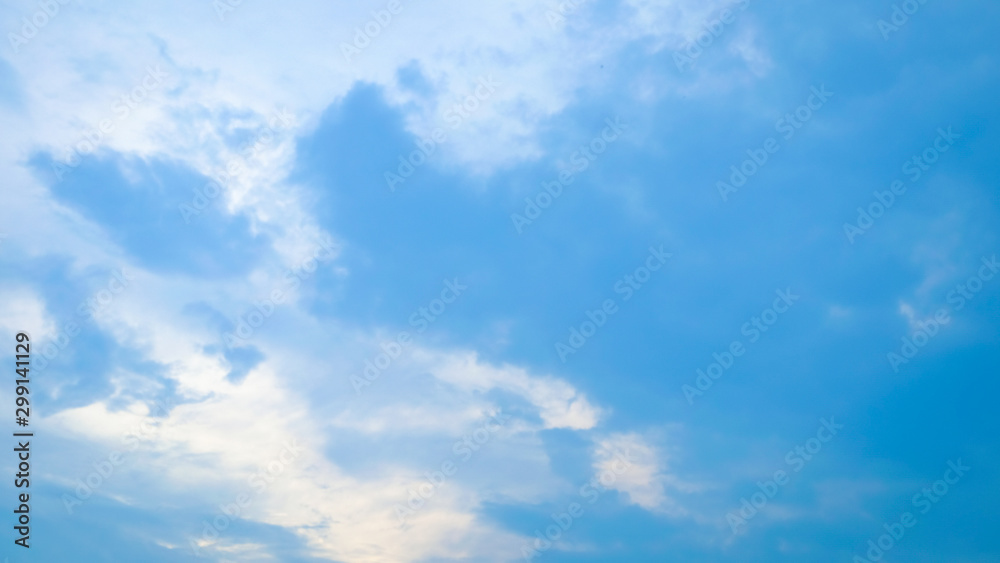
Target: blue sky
<point x="548" y="281"/>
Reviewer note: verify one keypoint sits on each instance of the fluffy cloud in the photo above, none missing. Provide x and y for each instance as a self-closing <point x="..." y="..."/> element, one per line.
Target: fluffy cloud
<point x="645" y="479"/>
<point x="148" y="89"/>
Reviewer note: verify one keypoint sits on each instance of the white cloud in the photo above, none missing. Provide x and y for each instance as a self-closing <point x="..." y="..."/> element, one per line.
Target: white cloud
<point x="559" y="404"/>
<point x="223" y="75"/>
<point x="644" y="479"/>
<point x="22" y="310"/>
<point x="208" y="447"/>
<point x="233" y="75"/>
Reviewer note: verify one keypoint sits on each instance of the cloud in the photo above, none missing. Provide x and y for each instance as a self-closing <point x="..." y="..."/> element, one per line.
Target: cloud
<point x="144" y="152"/>
<point x="220" y="434"/>
<point x="220" y="73"/>
<point x="645" y="480"/>
<point x="559" y="404"/>
<point x="22" y="309"/>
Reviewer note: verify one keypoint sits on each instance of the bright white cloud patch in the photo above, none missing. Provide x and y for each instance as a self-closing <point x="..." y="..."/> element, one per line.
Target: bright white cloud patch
<point x="559" y="404"/>
<point x="22" y="309"/>
<point x="644" y="479"/>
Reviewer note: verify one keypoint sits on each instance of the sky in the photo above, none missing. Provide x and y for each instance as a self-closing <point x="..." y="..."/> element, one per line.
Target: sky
<point x="583" y="281"/>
